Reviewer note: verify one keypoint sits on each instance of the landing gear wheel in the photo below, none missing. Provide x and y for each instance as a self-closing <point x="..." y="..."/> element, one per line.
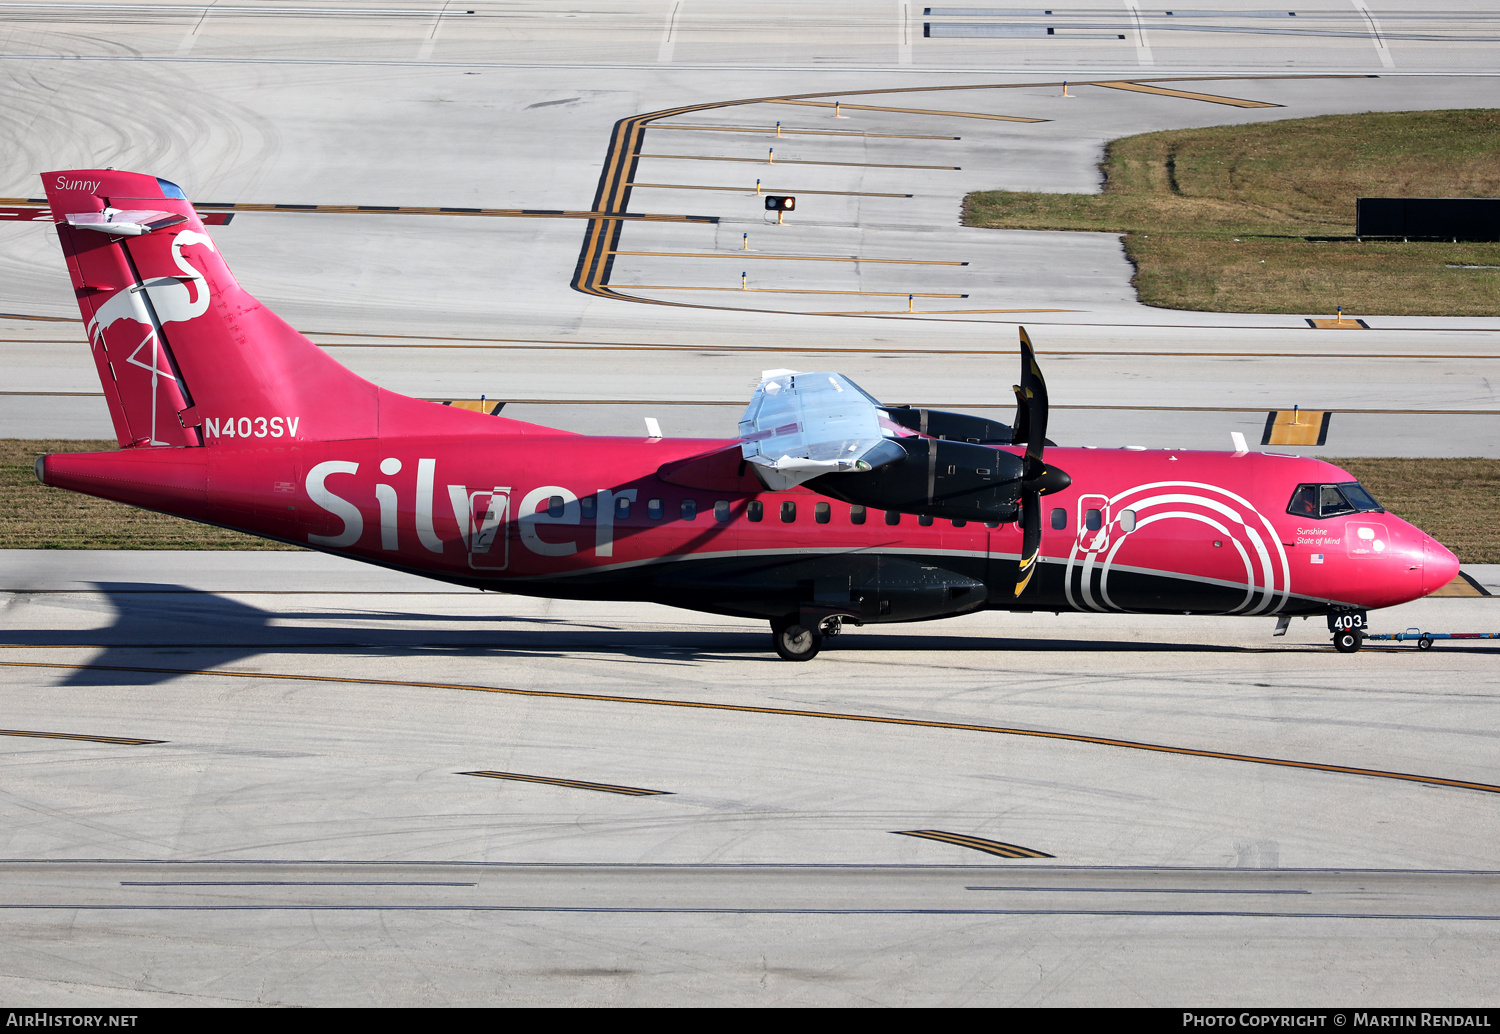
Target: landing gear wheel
<point x="1424" y="643"/>
<point x="831" y="627"/>
<point x="1347" y="641"/>
<point x="794" y="642"/>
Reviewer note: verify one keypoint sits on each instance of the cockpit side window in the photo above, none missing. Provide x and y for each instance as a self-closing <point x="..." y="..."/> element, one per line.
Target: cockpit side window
<point x="1304" y="501"/>
<point x="1332" y="500"/>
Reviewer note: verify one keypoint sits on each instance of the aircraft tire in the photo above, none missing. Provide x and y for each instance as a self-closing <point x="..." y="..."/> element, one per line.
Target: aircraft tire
<point x="794" y="642"/>
<point x="1348" y="641"/>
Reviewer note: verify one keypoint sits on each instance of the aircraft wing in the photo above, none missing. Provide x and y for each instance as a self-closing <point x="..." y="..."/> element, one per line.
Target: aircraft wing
<point x="823" y="431"/>
<point x="799" y="426"/>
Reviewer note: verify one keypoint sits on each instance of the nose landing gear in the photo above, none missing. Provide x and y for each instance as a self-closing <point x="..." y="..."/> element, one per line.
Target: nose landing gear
<point x="1348" y="628"/>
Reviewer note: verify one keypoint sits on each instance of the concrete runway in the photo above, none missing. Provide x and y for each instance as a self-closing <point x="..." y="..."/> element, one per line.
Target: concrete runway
<point x="1225" y="817"/>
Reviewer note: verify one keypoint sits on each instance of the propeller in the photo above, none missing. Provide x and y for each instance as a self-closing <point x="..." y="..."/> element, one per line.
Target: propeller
<point x="1037" y="478"/>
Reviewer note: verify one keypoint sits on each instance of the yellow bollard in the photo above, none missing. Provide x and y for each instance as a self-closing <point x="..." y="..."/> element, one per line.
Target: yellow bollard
<point x="910" y="303"/>
<point x="778" y="129"/>
<point x="1340" y="315"/>
<point x="743" y="280"/>
<point x="757" y="188"/>
<point x="1065" y="89"/>
<point x="837" y="113"/>
<point x="744" y="242"/>
<point x="771" y="156"/>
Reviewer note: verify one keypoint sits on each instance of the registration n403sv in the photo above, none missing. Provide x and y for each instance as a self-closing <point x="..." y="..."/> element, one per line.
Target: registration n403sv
<point x="826" y="509"/>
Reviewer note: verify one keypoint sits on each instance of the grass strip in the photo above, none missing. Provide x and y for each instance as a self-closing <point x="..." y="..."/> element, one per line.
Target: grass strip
<point x="1260" y="218"/>
<point x="34" y="516"/>
<point x="1454" y="500"/>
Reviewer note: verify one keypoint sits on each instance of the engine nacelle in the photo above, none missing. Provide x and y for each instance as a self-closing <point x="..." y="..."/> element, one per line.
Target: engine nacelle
<point x="954" y="480"/>
<point x="958" y="427"/>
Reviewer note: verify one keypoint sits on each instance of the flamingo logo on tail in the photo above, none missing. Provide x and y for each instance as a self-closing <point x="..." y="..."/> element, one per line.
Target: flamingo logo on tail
<point x="171" y="300"/>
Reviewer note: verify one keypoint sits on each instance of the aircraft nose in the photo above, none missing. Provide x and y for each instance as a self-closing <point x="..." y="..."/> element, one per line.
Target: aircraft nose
<point x="1439" y="565"/>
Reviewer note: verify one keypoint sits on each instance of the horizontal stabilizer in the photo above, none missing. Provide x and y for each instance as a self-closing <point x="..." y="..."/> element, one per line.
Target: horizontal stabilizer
<point x="119" y="223"/>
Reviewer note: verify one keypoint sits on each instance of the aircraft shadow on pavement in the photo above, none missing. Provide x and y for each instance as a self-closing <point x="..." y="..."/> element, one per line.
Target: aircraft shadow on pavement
<point x="157" y="624"/>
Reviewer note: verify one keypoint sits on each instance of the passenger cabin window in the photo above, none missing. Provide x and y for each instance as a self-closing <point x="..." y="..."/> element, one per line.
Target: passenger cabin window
<point x="589" y="506"/>
<point x="1059" y="519"/>
<point x="1093" y="520"/>
<point x="1332" y="500"/>
<point x="788" y="512"/>
<point x="893" y="516"/>
<point x="690" y="509"/>
<point x="1127" y="521"/>
<point x="856" y="515"/>
<point x="622" y="508"/>
<point x="555" y="506"/>
<point x="755" y="511"/>
<point x="721" y="510"/>
<point x="822" y="513"/>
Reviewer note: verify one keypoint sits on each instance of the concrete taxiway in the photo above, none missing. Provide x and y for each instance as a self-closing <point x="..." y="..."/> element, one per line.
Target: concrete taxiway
<point x="294" y="779"/>
<point x="282" y="779"/>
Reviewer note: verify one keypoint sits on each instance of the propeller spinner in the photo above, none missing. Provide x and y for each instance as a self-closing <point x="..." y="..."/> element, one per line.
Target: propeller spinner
<point x="1038" y="479"/>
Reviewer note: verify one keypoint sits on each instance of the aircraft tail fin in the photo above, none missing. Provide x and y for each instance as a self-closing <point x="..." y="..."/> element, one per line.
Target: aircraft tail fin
<point x="184" y="353"/>
<point x="186" y="356"/>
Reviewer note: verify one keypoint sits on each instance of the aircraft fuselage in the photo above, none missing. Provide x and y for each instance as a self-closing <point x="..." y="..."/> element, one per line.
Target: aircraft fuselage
<point x="628" y="518"/>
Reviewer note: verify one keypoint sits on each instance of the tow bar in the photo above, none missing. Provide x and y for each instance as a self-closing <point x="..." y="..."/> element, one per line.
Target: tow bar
<point x="1425" y="639"/>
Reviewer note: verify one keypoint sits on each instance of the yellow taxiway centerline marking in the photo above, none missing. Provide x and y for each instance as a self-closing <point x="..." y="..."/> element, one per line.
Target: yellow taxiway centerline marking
<point x="129" y="741"/>
<point x="908" y="111"/>
<point x="497" y="213"/>
<point x="928" y="312"/>
<point x="994" y="847"/>
<point x="765" y="190"/>
<point x="791" y="258"/>
<point x="798" y="161"/>
<point x="785" y="712"/>
<point x="573" y="784"/>
<point x="1160" y="91"/>
<point x="806" y="132"/>
<point x="781" y="290"/>
<point x="541" y="344"/>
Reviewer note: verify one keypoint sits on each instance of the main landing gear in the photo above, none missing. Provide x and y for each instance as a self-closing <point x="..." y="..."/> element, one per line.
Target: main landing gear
<point x="794" y="641"/>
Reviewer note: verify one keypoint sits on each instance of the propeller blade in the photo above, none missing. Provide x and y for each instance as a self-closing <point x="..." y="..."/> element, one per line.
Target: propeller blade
<point x="1031" y="398"/>
<point x="1031" y="538"/>
<point x="1031" y="428"/>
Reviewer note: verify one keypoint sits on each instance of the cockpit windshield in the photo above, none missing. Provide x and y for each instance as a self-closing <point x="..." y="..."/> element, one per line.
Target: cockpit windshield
<point x="1332" y="500"/>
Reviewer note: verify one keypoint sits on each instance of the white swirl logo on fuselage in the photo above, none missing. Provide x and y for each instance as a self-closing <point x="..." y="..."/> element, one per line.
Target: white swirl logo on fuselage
<point x="1267" y="579"/>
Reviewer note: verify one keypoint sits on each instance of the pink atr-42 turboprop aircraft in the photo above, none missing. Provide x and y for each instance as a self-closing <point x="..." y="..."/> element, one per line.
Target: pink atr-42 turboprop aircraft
<point x="828" y="508"/>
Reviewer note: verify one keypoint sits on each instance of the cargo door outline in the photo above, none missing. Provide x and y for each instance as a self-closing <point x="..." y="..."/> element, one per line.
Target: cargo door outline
<point x="1090" y="544"/>
<point x="1093" y="541"/>
<point x="483" y="518"/>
